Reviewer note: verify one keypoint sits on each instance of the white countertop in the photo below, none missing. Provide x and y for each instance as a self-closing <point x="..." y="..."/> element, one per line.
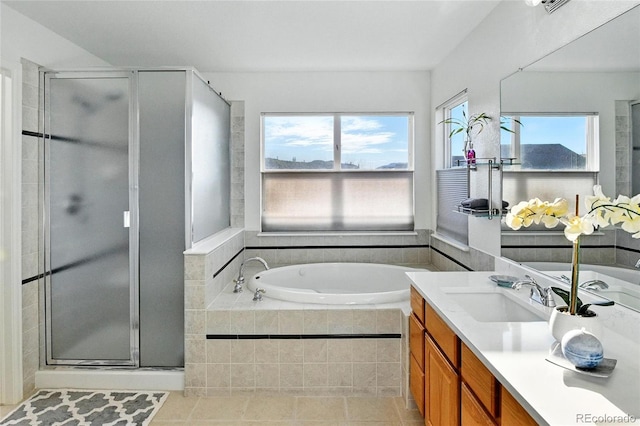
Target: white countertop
<point x="515" y="353"/>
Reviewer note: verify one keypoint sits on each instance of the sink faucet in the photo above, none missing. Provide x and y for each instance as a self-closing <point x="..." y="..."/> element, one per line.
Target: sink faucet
<point x="538" y="294"/>
<point x="594" y="285"/>
<point x="240" y="280"/>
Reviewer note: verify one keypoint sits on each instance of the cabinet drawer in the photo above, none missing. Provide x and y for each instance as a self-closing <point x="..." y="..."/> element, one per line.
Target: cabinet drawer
<point x="480" y="381"/>
<point x="512" y="413"/>
<point x="472" y="413"/>
<point x="416" y="383"/>
<point x="443" y="336"/>
<point x="417" y="304"/>
<point x="416" y="340"/>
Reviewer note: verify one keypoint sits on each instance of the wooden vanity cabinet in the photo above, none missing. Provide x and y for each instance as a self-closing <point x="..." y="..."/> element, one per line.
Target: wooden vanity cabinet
<point x="450" y="385"/>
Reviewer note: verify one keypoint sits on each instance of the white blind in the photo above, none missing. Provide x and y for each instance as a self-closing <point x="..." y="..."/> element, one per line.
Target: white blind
<point x="452" y="189"/>
<point x="337" y="201"/>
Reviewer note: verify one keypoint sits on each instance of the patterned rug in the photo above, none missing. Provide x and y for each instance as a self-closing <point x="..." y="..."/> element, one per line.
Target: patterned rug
<point x="51" y="407"/>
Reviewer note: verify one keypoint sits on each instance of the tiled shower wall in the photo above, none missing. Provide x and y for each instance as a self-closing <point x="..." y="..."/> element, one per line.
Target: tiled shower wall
<point x="30" y="225"/>
<point x="237" y="164"/>
<point x="623" y="148"/>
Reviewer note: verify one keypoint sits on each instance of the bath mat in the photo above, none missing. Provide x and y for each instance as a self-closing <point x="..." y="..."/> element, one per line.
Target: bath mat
<point x="69" y="407"/>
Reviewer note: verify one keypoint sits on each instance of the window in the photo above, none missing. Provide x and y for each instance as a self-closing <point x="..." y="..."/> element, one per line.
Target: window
<point x="337" y="172"/>
<point x="562" y="146"/>
<point x="561" y="142"/>
<point x="454" y="151"/>
<point x="452" y="185"/>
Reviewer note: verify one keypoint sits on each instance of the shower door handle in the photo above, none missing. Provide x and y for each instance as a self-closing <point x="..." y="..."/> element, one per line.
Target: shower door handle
<point x="127" y="219"/>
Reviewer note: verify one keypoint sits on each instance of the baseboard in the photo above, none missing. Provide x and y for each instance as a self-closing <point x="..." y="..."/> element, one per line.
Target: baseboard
<point x="142" y="379"/>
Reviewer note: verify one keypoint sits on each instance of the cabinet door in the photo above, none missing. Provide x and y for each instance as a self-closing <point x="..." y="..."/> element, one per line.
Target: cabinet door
<point x="442" y="388"/>
<point x="416" y="383"/>
<point x="472" y="412"/>
<point x="513" y="413"/>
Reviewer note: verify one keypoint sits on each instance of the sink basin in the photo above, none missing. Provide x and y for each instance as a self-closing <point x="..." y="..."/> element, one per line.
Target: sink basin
<point x="494" y="307"/>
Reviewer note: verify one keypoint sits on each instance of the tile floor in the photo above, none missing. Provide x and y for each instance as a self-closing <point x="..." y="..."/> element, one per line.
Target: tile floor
<point x="179" y="410"/>
<point x="285" y="410"/>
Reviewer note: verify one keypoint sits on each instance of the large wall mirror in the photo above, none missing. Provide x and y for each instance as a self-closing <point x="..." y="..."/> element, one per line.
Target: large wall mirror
<point x="580" y="114"/>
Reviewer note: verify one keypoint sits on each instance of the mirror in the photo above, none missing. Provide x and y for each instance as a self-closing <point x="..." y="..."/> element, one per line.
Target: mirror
<point x="596" y="77"/>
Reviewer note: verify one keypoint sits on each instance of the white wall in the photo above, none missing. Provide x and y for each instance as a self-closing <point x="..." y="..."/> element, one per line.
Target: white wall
<point x="20" y="38"/>
<point x="24" y="38"/>
<point x="329" y="92"/>
<point x="511" y="37"/>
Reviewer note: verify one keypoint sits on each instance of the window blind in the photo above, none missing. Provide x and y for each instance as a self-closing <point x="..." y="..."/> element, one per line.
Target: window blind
<point x="337" y="201"/>
<point x="452" y="187"/>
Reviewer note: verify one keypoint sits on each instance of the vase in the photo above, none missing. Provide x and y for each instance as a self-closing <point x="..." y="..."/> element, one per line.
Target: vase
<point x="575" y="272"/>
<point x="561" y="322"/>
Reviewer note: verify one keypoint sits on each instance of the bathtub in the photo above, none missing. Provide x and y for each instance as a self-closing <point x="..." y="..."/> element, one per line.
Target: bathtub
<point x="624" y="283"/>
<point x="335" y="283"/>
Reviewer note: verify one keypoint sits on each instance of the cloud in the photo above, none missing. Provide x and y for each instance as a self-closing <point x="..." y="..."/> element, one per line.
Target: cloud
<point x="360" y="134"/>
<point x="300" y="131"/>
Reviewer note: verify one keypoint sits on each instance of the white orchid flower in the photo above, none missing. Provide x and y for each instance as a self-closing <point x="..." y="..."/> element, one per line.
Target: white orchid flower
<point x="602" y="212"/>
<point x="576" y="226"/>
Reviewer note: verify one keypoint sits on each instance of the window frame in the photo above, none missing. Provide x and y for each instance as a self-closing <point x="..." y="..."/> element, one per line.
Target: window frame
<point x="337" y="165"/>
<point x="456" y="101"/>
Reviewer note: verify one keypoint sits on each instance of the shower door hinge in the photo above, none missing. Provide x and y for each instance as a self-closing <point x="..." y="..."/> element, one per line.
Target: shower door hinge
<point x="127" y="219"/>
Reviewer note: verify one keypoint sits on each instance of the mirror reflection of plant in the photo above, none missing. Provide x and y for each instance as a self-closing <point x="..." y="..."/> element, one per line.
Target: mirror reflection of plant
<point x="601" y="212"/>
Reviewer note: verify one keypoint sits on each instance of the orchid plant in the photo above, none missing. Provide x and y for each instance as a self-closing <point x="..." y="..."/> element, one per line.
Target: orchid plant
<point x="601" y="212"/>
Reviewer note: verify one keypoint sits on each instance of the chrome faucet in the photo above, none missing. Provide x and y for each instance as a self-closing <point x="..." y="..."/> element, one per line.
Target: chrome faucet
<point x="240" y="280"/>
<point x="638" y="264"/>
<point x="538" y="294"/>
<point x="257" y="296"/>
<point x="594" y="285"/>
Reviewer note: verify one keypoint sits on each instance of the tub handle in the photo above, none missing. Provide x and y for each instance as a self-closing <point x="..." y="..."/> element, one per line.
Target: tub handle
<point x="257" y="296"/>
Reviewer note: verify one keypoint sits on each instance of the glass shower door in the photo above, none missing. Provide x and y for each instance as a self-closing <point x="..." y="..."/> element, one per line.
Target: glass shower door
<point x="90" y="230"/>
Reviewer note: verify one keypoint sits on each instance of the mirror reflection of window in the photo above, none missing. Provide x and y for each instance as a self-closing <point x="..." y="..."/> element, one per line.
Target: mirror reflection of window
<point x="551" y="142"/>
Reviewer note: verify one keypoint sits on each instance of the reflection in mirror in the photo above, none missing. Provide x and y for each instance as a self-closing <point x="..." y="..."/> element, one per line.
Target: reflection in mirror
<point x="580" y="114"/>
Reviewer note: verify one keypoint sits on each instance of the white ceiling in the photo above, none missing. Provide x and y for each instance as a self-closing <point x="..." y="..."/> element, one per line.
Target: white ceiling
<point x="264" y="35"/>
<point x="615" y="46"/>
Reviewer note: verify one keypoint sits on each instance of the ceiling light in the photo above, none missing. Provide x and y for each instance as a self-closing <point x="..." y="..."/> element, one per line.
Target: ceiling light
<point x="550" y="5"/>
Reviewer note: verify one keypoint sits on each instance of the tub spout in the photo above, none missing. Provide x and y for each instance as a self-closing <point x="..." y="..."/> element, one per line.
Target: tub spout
<point x="240" y="280"/>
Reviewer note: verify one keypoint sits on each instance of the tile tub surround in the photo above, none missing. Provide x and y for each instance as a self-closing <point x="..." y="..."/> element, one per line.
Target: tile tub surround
<point x="365" y="364"/>
<point x="291" y="348"/>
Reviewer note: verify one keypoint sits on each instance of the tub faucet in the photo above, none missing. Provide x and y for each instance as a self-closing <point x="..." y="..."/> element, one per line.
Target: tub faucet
<point x="257" y="296"/>
<point x="538" y="294"/>
<point x="638" y="264"/>
<point x="594" y="285"/>
<point x="240" y="280"/>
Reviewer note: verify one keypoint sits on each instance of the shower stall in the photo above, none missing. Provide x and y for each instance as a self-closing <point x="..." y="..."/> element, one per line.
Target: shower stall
<point x="136" y="169"/>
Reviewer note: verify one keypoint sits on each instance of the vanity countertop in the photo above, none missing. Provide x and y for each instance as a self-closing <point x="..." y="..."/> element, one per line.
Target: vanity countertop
<point x="515" y="353"/>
